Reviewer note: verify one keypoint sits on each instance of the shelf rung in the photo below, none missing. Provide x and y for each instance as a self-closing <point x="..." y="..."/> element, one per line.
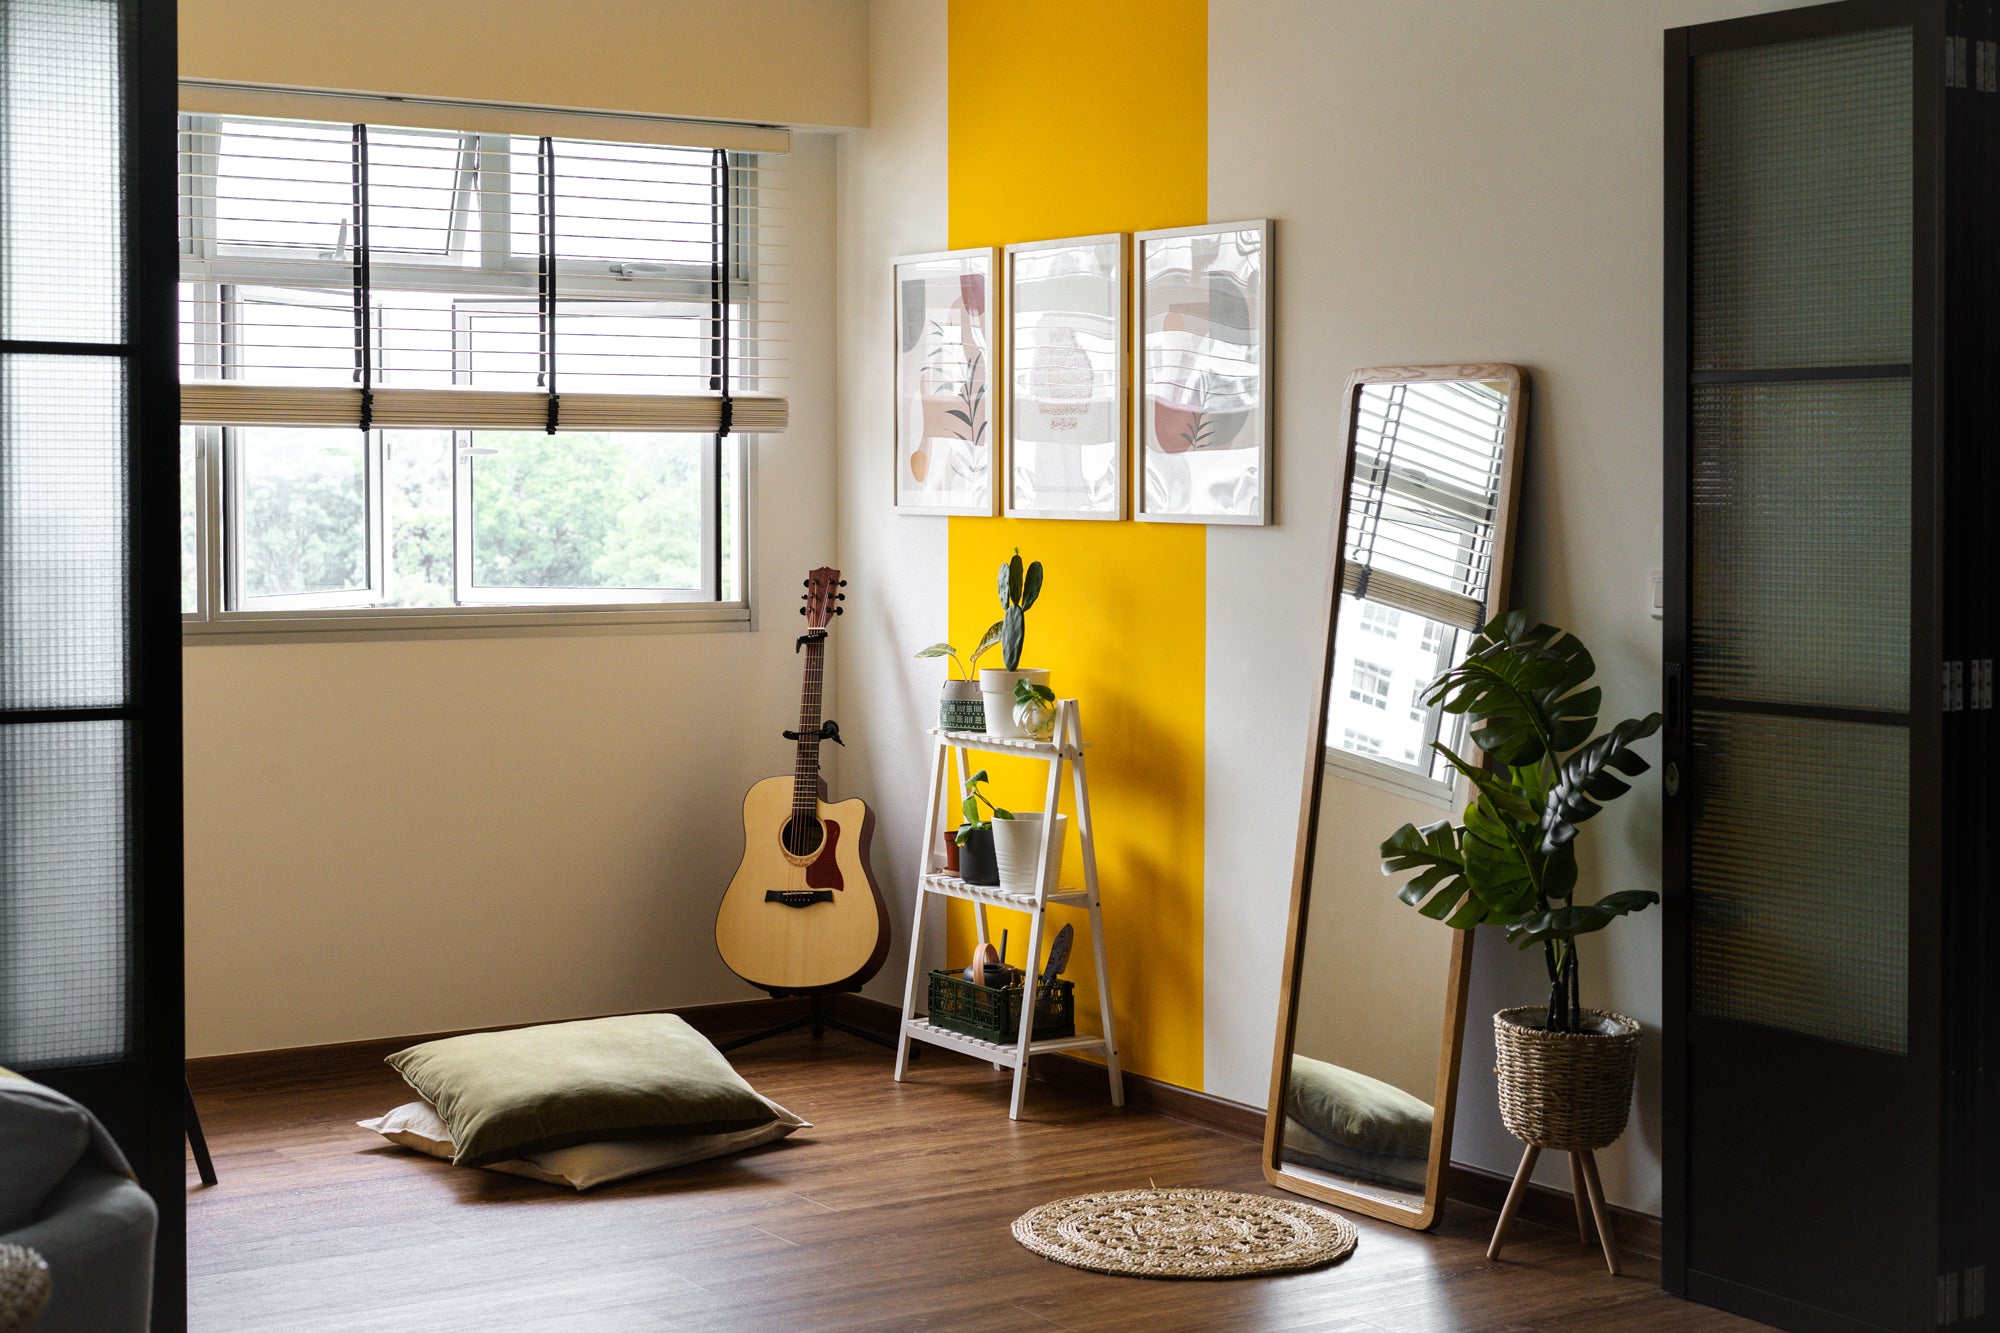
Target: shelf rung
<point x="920" y="1029"/>
<point x="979" y="740"/>
<point x="953" y="887"/>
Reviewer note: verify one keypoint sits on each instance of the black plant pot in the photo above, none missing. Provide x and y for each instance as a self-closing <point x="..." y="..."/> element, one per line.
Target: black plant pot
<point x="976" y="863"/>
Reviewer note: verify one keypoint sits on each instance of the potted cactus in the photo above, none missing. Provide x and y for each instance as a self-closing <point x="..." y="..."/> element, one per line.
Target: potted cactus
<point x="1020" y="586"/>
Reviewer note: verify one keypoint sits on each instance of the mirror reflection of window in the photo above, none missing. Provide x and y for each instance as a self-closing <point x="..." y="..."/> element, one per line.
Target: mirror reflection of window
<point x="1418" y="550"/>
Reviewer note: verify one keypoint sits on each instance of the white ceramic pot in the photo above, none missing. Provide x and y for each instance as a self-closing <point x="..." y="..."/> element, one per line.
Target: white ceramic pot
<point x="996" y="686"/>
<point x="962" y="707"/>
<point x="1017" y="841"/>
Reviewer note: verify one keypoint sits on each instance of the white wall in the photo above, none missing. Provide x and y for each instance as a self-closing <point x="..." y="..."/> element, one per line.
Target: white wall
<point x="1452" y="182"/>
<point x="893" y="181"/>
<point x="387" y="838"/>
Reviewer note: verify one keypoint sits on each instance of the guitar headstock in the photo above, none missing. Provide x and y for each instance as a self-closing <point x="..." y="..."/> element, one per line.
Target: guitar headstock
<point x="822" y="591"/>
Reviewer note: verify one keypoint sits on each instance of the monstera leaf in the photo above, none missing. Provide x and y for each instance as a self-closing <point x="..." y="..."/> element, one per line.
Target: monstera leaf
<point x="1587" y="780"/>
<point x="1434" y="852"/>
<point x="1524" y="687"/>
<point x="1575" y="919"/>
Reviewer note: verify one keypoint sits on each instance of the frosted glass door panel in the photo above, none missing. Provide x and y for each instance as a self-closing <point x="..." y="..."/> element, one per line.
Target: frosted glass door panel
<point x="62" y="198"/>
<point x="65" y="902"/>
<point x="1801" y="498"/>
<point x="1801" y="203"/>
<point x="63" y="532"/>
<point x="1801" y="876"/>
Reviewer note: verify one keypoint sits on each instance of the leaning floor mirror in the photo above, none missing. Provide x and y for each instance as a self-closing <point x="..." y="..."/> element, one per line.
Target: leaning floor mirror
<point x="1372" y="1012"/>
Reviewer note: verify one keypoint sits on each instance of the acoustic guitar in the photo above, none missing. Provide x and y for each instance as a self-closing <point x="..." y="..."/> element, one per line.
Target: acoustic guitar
<point x="803" y="913"/>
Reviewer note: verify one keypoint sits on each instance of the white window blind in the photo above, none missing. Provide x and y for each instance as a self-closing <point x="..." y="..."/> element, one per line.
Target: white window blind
<point x="421" y="278"/>
<point x="1424" y="496"/>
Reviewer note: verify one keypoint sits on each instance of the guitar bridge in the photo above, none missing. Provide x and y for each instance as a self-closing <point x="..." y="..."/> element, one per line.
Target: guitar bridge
<point x="798" y="897"/>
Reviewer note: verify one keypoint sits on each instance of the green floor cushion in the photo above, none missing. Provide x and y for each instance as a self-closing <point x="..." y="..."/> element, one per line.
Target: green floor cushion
<point x="586" y="1165"/>
<point x="1357" y="1112"/>
<point x="512" y="1094"/>
<point x="1306" y="1148"/>
<point x="43" y="1134"/>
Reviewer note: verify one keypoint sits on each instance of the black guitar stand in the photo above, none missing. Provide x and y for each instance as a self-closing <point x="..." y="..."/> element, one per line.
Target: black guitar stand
<point x="820" y="1020"/>
<point x="196" y="1139"/>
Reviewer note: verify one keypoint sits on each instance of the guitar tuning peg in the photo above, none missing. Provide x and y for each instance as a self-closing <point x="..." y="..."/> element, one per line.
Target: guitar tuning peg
<point x="807" y="584"/>
<point x="843" y="583"/>
<point x="840" y="610"/>
<point x="802" y="610"/>
<point x="840" y="597"/>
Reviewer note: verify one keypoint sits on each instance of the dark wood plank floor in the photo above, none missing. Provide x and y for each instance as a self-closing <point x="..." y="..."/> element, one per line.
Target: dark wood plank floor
<point x="891" y="1213"/>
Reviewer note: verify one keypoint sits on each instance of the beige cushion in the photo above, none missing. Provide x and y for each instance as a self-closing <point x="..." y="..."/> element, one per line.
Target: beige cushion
<point x="586" y="1165"/>
<point x="513" y="1094"/>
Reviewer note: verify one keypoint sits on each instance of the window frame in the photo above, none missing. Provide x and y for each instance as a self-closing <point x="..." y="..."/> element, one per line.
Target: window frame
<point x="210" y="273"/>
<point x="1385" y="772"/>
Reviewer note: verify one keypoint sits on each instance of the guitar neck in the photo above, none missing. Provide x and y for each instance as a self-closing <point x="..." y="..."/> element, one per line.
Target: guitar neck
<point x="805" y="770"/>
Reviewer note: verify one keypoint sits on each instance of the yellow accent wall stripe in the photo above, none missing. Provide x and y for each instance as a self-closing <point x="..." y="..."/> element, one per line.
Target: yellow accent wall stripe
<point x="1067" y="119"/>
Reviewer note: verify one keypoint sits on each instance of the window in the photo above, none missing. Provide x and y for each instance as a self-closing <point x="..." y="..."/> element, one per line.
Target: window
<point x="1379" y="619"/>
<point x="1418" y="546"/>
<point x="430" y="377"/>
<point x="1371" y="684"/>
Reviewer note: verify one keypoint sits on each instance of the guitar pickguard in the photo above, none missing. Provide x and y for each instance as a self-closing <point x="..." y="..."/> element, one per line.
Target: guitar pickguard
<point x="824" y="872"/>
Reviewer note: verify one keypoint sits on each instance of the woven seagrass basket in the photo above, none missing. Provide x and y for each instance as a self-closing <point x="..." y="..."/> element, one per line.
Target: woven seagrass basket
<point x="1569" y="1091"/>
<point x="24" y="1287"/>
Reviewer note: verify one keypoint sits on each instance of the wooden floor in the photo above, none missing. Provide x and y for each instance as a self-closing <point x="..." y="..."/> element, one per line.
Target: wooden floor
<point x="891" y="1213"/>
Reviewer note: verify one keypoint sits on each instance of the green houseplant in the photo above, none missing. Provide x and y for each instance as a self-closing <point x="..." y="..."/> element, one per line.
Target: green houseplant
<point x="961" y="708"/>
<point x="1565" y="1073"/>
<point x="1513" y="861"/>
<point x="1019" y="586"/>
<point x="976" y="862"/>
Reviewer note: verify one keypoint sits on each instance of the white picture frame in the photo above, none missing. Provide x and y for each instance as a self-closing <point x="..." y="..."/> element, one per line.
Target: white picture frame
<point x="1201" y="362"/>
<point x="948" y="406"/>
<point x="1067" y="373"/>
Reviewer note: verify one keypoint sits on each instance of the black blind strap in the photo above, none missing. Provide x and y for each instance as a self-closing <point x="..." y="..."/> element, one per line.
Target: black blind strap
<point x="719" y="292"/>
<point x="545" y="172"/>
<point x="364" y="360"/>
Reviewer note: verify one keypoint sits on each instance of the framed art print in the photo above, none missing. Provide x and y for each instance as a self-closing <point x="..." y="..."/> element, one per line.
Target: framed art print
<point x="1201" y="430"/>
<point x="1066" y="378"/>
<point x="945" y="399"/>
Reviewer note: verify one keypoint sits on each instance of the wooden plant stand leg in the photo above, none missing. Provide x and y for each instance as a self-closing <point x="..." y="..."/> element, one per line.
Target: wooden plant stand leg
<point x="1576" y="1194"/>
<point x="1515" y="1194"/>
<point x="1600" y="1212"/>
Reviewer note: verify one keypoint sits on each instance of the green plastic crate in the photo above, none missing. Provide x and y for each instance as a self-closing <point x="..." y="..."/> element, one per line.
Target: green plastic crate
<point x="994" y="1014"/>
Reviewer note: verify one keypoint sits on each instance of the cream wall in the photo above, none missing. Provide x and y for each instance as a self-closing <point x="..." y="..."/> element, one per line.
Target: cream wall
<point x="1453" y="182"/>
<point x="395" y="837"/>
<point x="892" y="202"/>
<point x="786" y="62"/>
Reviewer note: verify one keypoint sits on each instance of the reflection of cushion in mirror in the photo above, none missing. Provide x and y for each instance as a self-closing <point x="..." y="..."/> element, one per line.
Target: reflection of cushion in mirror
<point x="586" y="1165"/>
<point x="1305" y="1148"/>
<point x="510" y="1094"/>
<point x="1357" y="1112"/>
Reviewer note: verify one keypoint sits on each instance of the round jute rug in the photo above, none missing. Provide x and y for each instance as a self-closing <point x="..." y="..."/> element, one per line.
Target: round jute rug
<point x="1185" y="1233"/>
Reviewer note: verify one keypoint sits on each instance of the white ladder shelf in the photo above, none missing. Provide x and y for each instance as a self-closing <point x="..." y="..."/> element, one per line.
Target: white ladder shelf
<point x="1065" y="750"/>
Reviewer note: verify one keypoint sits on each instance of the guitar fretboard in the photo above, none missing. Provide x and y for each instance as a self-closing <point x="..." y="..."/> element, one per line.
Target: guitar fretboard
<point x="805" y="770"/>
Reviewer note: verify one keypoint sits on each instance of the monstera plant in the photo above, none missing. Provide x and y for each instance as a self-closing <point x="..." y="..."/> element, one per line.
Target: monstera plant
<point x="1524" y="688"/>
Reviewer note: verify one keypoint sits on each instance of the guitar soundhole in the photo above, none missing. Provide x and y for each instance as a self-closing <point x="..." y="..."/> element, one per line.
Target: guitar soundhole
<point x="803" y="835"/>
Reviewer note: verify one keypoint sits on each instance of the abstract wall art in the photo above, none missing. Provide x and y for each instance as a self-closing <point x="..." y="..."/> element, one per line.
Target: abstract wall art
<point x="946" y="409"/>
<point x="1202" y="422"/>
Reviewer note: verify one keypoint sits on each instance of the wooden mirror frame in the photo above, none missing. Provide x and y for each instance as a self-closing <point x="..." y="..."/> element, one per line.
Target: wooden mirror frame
<point x="1459" y="969"/>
